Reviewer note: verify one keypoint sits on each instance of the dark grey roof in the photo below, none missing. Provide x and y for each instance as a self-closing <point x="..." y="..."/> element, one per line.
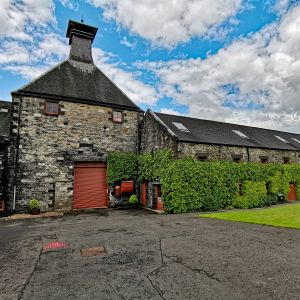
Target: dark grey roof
<point x="77" y="81"/>
<point x="212" y="132"/>
<point x="4" y="118"/>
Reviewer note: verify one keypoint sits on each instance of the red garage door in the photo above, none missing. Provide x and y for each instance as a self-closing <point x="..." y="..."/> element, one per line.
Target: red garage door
<point x="90" y="187"/>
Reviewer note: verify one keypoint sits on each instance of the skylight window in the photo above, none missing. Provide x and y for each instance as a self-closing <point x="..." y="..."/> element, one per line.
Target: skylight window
<point x="281" y="139"/>
<point x="296" y="140"/>
<point x="180" y="126"/>
<point x="240" y="134"/>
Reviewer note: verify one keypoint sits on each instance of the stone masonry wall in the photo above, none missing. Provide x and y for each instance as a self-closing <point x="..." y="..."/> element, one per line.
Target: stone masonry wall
<point x="154" y="136"/>
<point x="3" y="169"/>
<point x="274" y="155"/>
<point x="216" y="152"/>
<point x="49" y="146"/>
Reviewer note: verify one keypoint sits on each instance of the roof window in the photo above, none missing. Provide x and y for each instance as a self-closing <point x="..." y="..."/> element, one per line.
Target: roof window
<point x="180" y="126"/>
<point x="296" y="140"/>
<point x="281" y="139"/>
<point x="240" y="134"/>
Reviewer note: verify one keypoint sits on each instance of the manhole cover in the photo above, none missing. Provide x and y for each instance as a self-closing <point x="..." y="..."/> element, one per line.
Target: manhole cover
<point x="94" y="251"/>
<point x="56" y="245"/>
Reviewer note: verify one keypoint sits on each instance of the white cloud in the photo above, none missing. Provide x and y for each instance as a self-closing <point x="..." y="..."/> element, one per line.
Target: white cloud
<point x="27" y="71"/>
<point x="18" y="16"/>
<point x="71" y="4"/>
<point x="263" y="71"/>
<point x="170" y="111"/>
<point x="135" y="89"/>
<point x="281" y="6"/>
<point x="13" y="52"/>
<point x="126" y="43"/>
<point x="167" y="22"/>
<point x="19" y="57"/>
<point x="52" y="47"/>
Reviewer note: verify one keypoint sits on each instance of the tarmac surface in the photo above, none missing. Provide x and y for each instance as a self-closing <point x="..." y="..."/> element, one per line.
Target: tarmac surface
<point x="135" y="254"/>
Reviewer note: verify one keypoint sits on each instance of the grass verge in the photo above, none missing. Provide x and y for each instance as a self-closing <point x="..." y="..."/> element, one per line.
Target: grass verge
<point x="281" y="216"/>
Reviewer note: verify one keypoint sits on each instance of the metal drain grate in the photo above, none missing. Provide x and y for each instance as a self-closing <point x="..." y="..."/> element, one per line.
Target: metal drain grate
<point x="56" y="245"/>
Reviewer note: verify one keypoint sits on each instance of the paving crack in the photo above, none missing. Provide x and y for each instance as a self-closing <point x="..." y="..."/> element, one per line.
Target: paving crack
<point x="158" y="290"/>
<point x="20" y="296"/>
<point x="178" y="260"/>
<point x="162" y="264"/>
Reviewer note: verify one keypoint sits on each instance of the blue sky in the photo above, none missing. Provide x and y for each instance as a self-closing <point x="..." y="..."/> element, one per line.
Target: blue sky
<point x="233" y="60"/>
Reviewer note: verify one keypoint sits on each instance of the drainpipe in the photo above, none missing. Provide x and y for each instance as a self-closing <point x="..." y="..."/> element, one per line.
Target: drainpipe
<point x="16" y="164"/>
<point x="248" y="154"/>
<point x="14" y="198"/>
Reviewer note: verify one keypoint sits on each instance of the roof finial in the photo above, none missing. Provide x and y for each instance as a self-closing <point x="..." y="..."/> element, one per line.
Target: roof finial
<point x="82" y="21"/>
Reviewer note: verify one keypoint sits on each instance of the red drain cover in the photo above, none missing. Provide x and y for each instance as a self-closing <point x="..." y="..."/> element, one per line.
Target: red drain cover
<point x="56" y="245"/>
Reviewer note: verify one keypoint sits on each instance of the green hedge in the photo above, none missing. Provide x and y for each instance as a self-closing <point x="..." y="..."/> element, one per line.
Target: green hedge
<point x="121" y="166"/>
<point x="253" y="195"/>
<point x="191" y="185"/>
<point x="151" y="165"/>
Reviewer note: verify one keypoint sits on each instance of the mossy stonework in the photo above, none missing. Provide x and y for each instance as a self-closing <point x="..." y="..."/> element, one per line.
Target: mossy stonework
<point x="48" y="147"/>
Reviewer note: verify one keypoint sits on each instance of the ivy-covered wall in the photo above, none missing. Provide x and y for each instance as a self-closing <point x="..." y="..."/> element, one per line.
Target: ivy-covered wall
<point x="191" y="185"/>
<point x="121" y="166"/>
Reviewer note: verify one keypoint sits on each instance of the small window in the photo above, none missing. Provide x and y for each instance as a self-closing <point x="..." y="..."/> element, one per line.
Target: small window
<point x="239" y="133"/>
<point x="180" y="126"/>
<point x="286" y="160"/>
<point x="237" y="159"/>
<point x="203" y="157"/>
<point x="264" y="160"/>
<point x="117" y="116"/>
<point x="281" y="139"/>
<point x="51" y="108"/>
<point x="296" y="140"/>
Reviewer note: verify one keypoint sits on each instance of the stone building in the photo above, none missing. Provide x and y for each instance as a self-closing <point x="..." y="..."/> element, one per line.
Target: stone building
<point x="64" y="123"/>
<point x="209" y="140"/>
<point x="4" y="144"/>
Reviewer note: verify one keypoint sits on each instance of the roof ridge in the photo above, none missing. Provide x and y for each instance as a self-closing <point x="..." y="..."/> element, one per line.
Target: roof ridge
<point x="76" y="79"/>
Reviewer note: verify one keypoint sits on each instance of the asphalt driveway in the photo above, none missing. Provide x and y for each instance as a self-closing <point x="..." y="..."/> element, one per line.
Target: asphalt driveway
<point x="148" y="256"/>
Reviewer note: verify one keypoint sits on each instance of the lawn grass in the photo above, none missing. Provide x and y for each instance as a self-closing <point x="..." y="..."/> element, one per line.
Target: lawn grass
<point x="282" y="216"/>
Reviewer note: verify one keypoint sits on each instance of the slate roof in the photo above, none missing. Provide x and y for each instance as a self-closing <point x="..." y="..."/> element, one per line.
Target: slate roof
<point x="4" y="119"/>
<point x="212" y="132"/>
<point x="79" y="82"/>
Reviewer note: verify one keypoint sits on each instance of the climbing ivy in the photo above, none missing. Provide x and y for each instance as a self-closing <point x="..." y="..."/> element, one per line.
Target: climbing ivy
<point x="121" y="166"/>
<point x="151" y="165"/>
<point x="191" y="185"/>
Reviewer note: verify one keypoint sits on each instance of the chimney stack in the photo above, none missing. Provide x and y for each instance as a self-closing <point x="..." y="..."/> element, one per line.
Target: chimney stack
<point x="81" y="37"/>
